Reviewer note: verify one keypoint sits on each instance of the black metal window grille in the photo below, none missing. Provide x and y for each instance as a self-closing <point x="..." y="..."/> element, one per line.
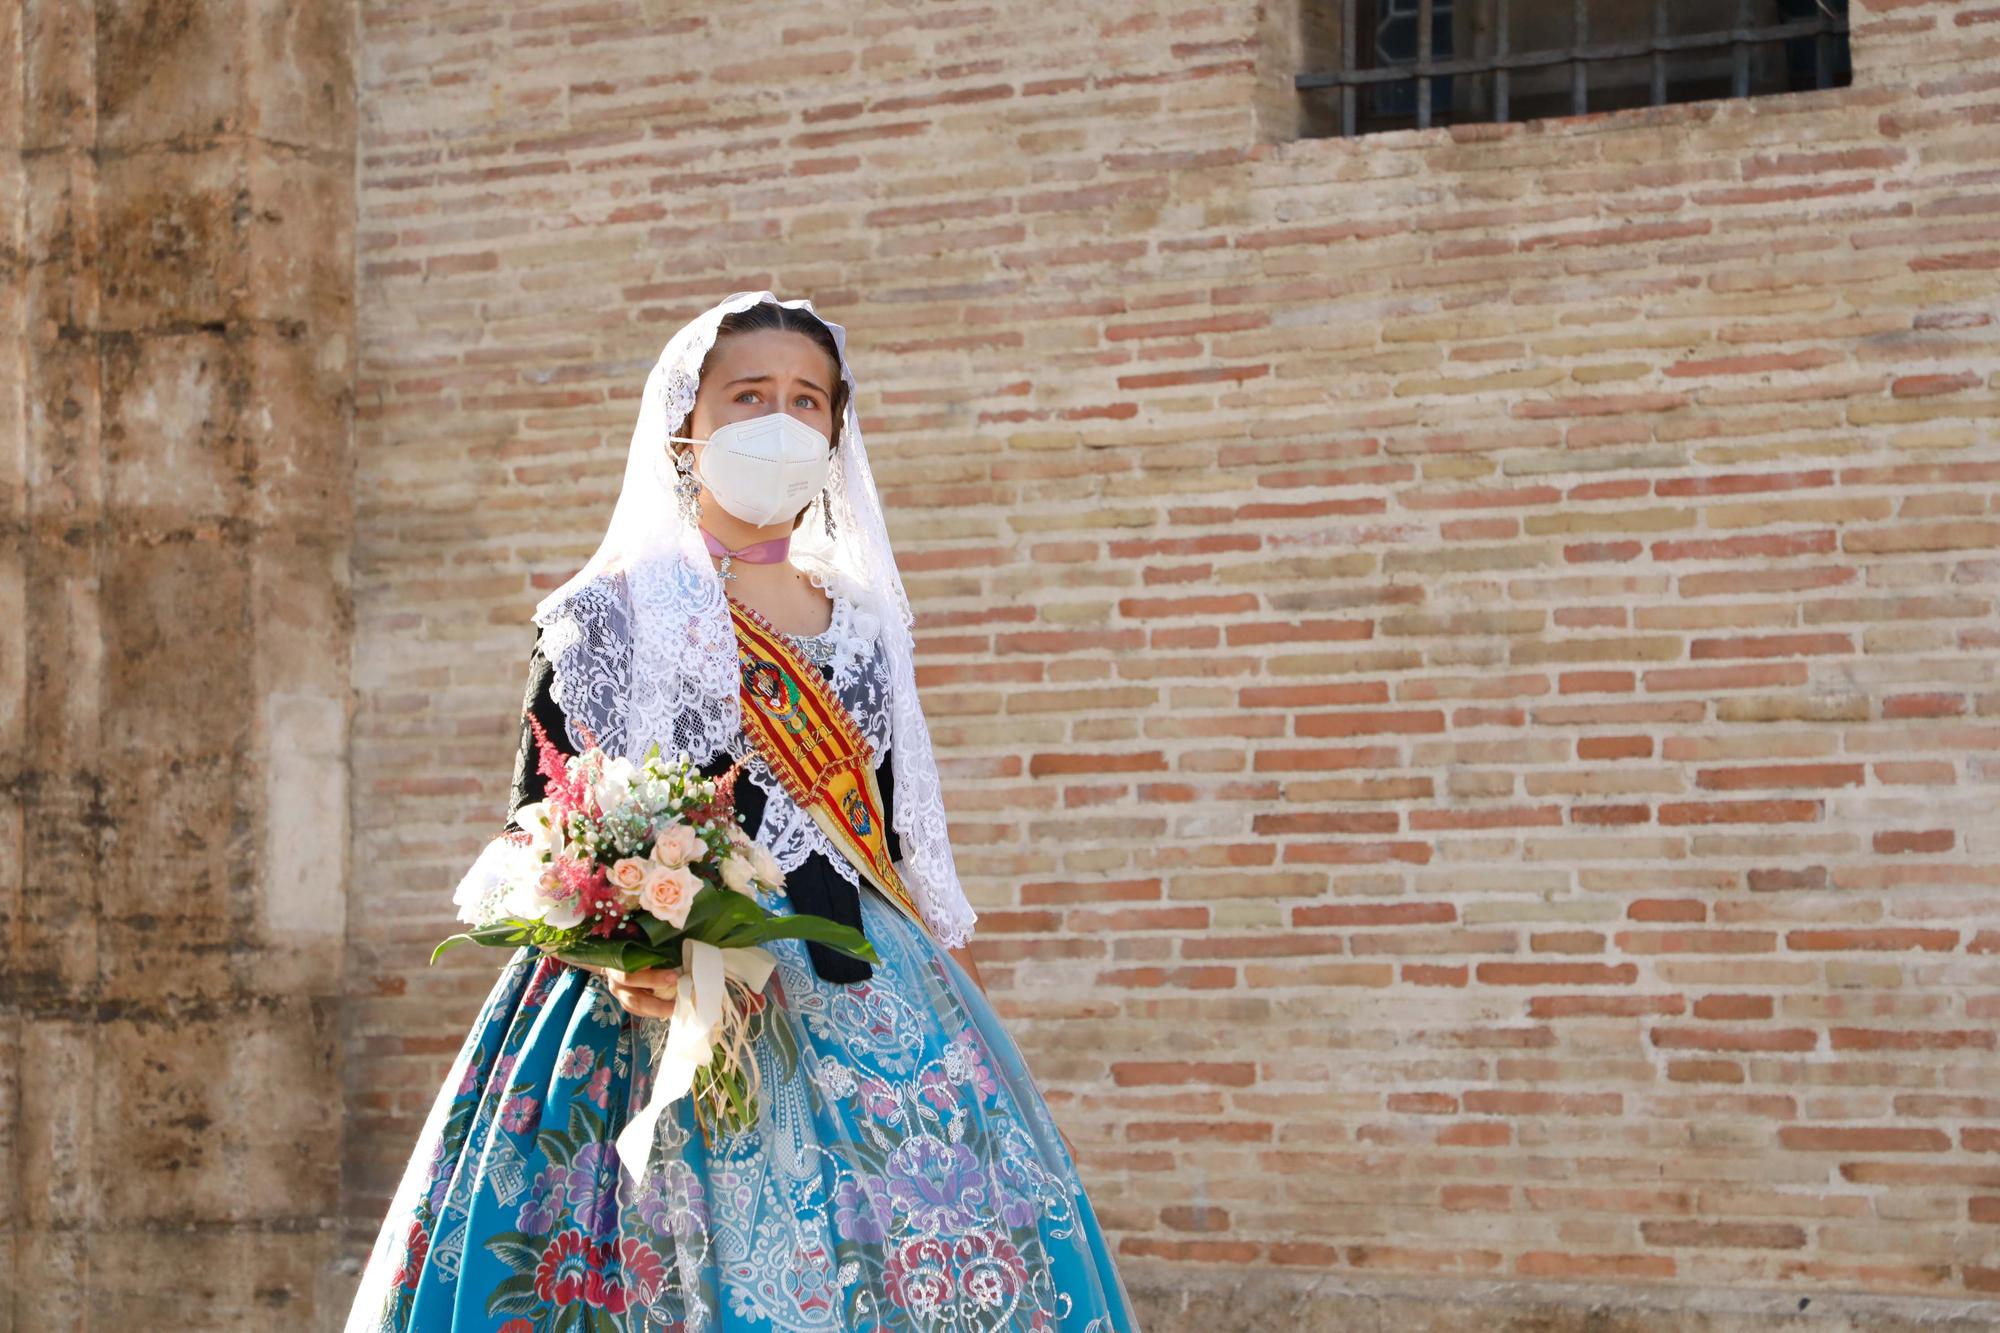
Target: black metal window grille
<point x="1395" y="62"/>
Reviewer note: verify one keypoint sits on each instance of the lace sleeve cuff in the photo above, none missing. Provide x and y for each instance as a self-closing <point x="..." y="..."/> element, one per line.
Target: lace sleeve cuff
<point x="954" y="933"/>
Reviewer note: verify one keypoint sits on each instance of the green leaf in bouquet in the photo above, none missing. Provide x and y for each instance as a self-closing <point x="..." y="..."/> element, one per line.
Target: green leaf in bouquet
<point x="446" y="943"/>
<point x="658" y="933"/>
<point x="499" y="934"/>
<point x="725" y="912"/>
<point x="625" y="955"/>
<point x="806" y="926"/>
<point x="704" y="912"/>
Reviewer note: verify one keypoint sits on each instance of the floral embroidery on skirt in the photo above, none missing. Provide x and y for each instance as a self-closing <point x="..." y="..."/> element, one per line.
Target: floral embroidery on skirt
<point x="904" y="1175"/>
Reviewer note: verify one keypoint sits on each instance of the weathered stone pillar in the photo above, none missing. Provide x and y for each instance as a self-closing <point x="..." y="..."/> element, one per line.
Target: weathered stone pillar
<point x="176" y="406"/>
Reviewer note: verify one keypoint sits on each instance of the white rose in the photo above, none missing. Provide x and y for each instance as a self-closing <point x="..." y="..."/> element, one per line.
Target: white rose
<point x="736" y="873"/>
<point x="766" y="865"/>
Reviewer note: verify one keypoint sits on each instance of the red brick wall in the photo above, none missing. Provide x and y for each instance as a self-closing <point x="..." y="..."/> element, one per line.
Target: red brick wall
<point x="1463" y="660"/>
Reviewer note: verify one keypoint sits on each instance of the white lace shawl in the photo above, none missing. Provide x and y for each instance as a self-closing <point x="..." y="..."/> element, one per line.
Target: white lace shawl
<point x="589" y="647"/>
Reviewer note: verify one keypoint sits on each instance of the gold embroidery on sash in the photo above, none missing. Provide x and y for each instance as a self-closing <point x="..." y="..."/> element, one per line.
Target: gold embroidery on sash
<point x="817" y="750"/>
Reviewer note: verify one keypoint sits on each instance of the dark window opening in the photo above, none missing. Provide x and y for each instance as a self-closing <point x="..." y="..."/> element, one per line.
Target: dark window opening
<point x="1370" y="68"/>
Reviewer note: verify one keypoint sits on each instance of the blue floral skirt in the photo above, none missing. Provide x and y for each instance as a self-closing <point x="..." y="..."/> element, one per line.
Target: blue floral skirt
<point x="903" y="1175"/>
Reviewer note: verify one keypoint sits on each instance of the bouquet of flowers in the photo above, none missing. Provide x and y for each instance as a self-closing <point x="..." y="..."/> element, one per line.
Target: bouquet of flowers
<point x="643" y="865"/>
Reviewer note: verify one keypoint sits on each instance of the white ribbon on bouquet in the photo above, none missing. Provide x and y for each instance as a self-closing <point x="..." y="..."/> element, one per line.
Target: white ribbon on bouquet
<point x="690" y="1043"/>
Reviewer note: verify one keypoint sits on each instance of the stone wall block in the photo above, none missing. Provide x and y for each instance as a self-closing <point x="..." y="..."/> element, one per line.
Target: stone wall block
<point x="57" y="243"/>
<point x="55" y="1298"/>
<point x="213" y="1116"/>
<point x="300" y="466"/>
<point x="57" y="1067"/>
<point x="300" y="84"/>
<point x="58" y="106"/>
<point x="177" y="655"/>
<point x="244" y="1279"/>
<point x="299" y="596"/>
<point x="53" y="960"/>
<point x="173" y="442"/>
<point x="62" y="468"/>
<point x="173" y="230"/>
<point x="62" y="652"/>
<point x="300" y="242"/>
<point x="176" y="906"/>
<point x="168" y="71"/>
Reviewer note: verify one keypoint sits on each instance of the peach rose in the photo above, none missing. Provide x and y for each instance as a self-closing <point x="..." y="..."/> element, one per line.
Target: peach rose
<point x="668" y="893"/>
<point x="627" y="875"/>
<point x="677" y="845"/>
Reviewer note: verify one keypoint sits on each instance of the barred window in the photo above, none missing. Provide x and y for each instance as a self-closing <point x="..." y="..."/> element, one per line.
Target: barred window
<point x="1507" y="60"/>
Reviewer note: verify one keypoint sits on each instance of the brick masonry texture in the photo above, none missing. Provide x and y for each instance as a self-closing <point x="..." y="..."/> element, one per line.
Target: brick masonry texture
<point x="1464" y="661"/>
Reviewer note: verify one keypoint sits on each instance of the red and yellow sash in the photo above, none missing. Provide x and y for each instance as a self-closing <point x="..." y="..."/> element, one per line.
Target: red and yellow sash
<point x="808" y="738"/>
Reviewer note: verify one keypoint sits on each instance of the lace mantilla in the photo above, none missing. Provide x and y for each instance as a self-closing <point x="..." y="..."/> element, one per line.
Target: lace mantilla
<point x="589" y="645"/>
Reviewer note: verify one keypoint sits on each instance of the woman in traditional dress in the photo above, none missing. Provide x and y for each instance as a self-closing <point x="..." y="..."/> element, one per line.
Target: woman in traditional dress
<point x="903" y="1172"/>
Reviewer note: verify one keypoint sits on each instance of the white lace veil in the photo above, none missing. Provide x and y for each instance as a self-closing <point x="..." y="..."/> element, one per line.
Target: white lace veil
<point x="641" y="639"/>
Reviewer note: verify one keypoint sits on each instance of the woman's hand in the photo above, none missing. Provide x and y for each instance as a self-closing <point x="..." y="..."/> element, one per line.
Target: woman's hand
<point x="647" y="993"/>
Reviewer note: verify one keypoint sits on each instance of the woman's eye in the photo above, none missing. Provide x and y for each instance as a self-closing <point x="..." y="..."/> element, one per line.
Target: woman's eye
<point x="805" y="398"/>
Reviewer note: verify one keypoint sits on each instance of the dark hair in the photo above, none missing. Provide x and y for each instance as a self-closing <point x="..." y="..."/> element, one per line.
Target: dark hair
<point x="769" y="315"/>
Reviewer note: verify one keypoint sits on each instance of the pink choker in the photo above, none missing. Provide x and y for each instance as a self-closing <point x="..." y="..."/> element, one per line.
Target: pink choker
<point x="768" y="552"/>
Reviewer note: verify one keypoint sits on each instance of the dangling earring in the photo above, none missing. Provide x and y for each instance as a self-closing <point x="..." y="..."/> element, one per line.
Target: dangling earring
<point x="686" y="487"/>
<point x="826" y="495"/>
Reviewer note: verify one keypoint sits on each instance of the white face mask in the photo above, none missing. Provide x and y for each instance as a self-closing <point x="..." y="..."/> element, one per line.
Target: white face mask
<point x="764" y="470"/>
